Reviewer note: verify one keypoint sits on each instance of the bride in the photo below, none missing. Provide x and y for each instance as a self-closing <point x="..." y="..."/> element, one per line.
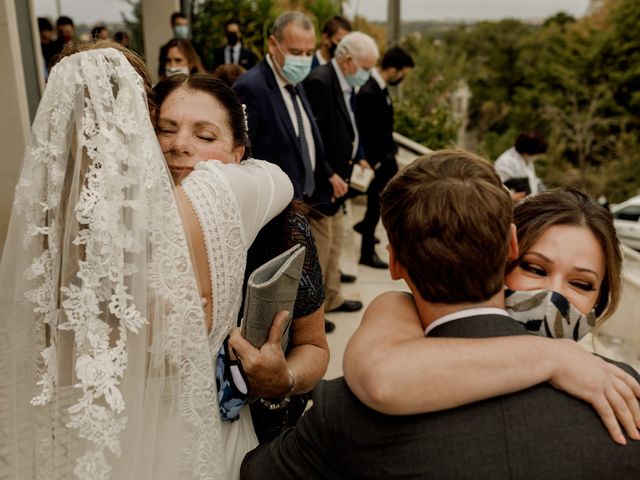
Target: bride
<point x="106" y="353"/>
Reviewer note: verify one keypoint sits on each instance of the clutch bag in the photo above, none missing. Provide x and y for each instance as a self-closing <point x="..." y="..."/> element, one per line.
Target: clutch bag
<point x="272" y="288"/>
<point x="361" y="178"/>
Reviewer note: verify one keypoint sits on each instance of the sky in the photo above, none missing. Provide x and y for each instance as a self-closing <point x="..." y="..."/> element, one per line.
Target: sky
<point x="95" y="11"/>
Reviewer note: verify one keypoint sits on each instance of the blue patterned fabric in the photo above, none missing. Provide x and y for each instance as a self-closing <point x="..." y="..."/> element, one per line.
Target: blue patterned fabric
<point x="230" y="399"/>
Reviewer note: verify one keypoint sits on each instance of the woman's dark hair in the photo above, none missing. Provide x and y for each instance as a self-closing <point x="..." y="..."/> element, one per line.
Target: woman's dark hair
<point x="186" y="48"/>
<point x="206" y="83"/>
<point x="569" y="206"/>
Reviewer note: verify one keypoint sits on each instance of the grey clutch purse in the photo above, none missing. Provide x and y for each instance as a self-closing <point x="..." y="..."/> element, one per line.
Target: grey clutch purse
<point x="272" y="288"/>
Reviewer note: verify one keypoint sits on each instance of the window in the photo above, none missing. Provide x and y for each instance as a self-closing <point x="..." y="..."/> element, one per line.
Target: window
<point x="630" y="213"/>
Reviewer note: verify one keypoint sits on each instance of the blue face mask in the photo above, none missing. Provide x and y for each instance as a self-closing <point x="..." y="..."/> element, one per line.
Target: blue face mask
<point x="181" y="31"/>
<point x="296" y="67"/>
<point x="359" y="78"/>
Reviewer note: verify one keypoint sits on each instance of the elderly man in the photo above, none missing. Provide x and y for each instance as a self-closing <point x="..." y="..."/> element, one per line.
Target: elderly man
<point x="282" y="128"/>
<point x="330" y="89"/>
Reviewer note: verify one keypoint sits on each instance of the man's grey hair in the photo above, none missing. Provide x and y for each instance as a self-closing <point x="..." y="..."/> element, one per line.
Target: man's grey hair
<point x="288" y="18"/>
<point x="357" y="44"/>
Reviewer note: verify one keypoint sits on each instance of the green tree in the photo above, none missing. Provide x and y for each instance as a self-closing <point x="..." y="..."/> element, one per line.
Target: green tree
<point x="134" y="27"/>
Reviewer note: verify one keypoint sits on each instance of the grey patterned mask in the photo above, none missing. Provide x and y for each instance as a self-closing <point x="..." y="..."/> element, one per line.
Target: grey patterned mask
<point x="548" y="313"/>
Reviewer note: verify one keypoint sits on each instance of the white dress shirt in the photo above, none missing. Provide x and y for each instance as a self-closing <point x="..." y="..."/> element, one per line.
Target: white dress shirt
<point x="513" y="165"/>
<point x="232" y="54"/>
<point x="346" y="93"/>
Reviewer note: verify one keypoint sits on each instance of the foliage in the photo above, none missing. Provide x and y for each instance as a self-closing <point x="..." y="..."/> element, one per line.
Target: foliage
<point x="134" y="27"/>
<point x="576" y="82"/>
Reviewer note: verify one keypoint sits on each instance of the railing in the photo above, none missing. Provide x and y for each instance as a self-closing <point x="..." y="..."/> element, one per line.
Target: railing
<point x="408" y="150"/>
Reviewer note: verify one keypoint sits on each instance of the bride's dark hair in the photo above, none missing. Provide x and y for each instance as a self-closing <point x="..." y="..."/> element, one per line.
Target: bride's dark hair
<point x="207" y="83"/>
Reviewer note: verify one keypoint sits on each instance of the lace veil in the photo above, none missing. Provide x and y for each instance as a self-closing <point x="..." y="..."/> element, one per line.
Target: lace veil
<point x="105" y="368"/>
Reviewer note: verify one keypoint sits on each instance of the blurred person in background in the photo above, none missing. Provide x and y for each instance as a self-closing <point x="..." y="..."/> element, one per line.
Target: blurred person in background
<point x="228" y="73"/>
<point x="179" y="57"/>
<point x="100" y="32"/>
<point x="516" y="168"/>
<point x="334" y="29"/>
<point x="374" y="117"/>
<point x="122" y="38"/>
<point x="234" y="51"/>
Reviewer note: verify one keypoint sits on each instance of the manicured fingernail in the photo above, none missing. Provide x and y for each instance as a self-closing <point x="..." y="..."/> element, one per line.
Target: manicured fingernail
<point x="621" y="440"/>
<point x="635" y="435"/>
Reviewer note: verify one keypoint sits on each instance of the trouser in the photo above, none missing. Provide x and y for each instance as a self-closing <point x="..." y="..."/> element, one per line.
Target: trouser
<point x="372" y="215"/>
<point x="328" y="233"/>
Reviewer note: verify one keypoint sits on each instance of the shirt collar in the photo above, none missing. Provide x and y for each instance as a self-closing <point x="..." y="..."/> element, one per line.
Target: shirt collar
<point x="467" y="312"/>
<point x="282" y="83"/>
<point x="320" y="58"/>
<point x="378" y="78"/>
<point x="344" y="85"/>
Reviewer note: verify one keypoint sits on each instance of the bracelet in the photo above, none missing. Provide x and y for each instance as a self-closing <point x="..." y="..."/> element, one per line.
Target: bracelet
<point x="284" y="401"/>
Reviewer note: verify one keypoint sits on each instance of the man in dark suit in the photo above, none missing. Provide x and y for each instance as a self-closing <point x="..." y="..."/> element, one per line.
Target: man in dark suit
<point x="233" y="52"/>
<point x="282" y="128"/>
<point x="330" y="89"/>
<point x="454" y="201"/>
<point x="333" y="31"/>
<point x="374" y="117"/>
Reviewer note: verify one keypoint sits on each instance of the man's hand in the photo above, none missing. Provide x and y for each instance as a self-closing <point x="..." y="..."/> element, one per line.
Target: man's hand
<point x="364" y="164"/>
<point x="340" y="187"/>
<point x="611" y="391"/>
<point x="266" y="368"/>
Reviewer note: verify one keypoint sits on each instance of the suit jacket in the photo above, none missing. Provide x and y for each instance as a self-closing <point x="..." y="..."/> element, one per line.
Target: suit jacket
<point x="246" y="60"/>
<point x="539" y="433"/>
<point x="273" y="137"/>
<point x="374" y="118"/>
<point x="327" y="102"/>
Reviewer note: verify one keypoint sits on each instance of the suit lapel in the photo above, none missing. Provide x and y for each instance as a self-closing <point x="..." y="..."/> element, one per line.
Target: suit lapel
<point x="280" y="108"/>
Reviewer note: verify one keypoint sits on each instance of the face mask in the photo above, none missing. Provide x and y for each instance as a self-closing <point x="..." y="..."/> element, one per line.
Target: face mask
<point x="232" y="38"/>
<point x="181" y="31"/>
<point x="359" y="78"/>
<point x="176" y="70"/>
<point x="548" y="314"/>
<point x="332" y="49"/>
<point x="296" y="67"/>
<point x="395" y="81"/>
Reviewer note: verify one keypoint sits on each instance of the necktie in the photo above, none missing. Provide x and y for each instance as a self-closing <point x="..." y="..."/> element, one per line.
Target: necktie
<point x="309" y="180"/>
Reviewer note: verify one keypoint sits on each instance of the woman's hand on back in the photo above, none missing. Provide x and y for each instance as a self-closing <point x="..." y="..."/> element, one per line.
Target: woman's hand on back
<point x="611" y="391"/>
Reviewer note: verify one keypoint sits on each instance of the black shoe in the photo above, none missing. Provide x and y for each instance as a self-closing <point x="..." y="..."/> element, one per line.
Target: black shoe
<point x="346" y="278"/>
<point x="329" y="326"/>
<point x="373" y="261"/>
<point x="358" y="228"/>
<point x="349" y="306"/>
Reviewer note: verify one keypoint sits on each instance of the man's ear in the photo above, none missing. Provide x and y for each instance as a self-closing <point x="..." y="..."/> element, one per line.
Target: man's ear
<point x="514" y="251"/>
<point x="396" y="270"/>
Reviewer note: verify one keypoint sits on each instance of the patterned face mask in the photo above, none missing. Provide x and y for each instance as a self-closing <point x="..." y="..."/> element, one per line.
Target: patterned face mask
<point x="548" y="313"/>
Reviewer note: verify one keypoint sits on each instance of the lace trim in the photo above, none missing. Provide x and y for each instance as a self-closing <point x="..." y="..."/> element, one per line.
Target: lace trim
<point x="100" y="282"/>
<point x="211" y="197"/>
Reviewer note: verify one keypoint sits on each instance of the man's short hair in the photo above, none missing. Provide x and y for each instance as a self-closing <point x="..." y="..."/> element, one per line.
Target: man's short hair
<point x="44" y="25"/>
<point x="398" y="58"/>
<point x="334" y="24"/>
<point x="288" y="18"/>
<point x="448" y="219"/>
<point x="175" y="16"/>
<point x="530" y="143"/>
<point x="64" y="21"/>
<point x="358" y="45"/>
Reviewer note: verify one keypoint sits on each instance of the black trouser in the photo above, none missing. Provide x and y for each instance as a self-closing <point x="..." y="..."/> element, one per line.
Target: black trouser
<point x="372" y="215"/>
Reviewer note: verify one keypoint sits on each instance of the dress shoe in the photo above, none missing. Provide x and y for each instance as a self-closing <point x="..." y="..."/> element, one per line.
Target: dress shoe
<point x="346" y="278"/>
<point x="348" y="306"/>
<point x="373" y="261"/>
<point x="329" y="326"/>
<point x="358" y="228"/>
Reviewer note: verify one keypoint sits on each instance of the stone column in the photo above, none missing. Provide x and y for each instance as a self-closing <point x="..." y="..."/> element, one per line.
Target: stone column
<point x="156" y="29"/>
<point x="14" y="121"/>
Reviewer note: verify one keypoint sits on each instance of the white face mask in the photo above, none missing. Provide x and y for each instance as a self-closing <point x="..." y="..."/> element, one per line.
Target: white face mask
<point x="548" y="314"/>
<point x="176" y="70"/>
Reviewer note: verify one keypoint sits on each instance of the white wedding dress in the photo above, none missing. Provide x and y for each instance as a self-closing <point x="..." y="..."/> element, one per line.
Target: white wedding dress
<point x="106" y="365"/>
<point x="232" y="203"/>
